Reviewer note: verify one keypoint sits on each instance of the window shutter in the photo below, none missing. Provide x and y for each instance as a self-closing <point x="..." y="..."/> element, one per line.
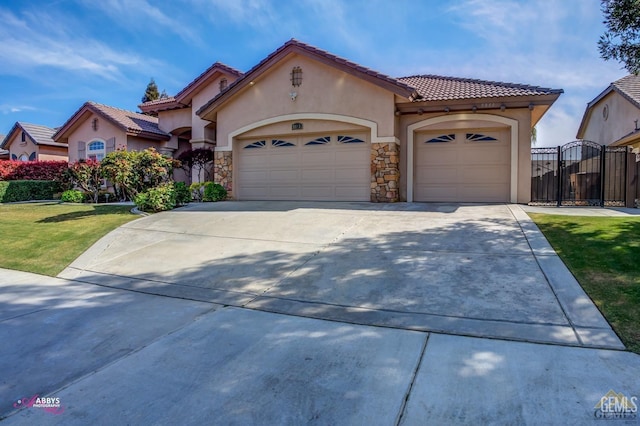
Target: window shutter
<point x="111" y="145"/>
<point x="14" y="157"/>
<point x="82" y="150"/>
<point x="32" y="157"/>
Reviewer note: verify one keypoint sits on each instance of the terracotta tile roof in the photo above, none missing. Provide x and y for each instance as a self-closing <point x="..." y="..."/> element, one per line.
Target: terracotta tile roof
<point x="40" y="135"/>
<point x="439" y="88"/>
<point x="629" y="87"/>
<point x="161" y="101"/>
<point x="131" y="122"/>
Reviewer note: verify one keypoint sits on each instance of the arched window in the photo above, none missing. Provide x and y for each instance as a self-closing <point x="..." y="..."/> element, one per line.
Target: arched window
<point x="24" y="157"/>
<point x="95" y="150"/>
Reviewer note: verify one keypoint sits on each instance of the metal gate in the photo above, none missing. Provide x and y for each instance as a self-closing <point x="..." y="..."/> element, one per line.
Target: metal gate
<point x="580" y="173"/>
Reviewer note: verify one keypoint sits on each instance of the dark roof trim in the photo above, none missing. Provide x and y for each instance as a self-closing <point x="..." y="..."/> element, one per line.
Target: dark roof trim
<point x="295" y="46"/>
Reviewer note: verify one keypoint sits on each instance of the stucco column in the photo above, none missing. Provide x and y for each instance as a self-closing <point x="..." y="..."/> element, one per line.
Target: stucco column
<point x="385" y="172"/>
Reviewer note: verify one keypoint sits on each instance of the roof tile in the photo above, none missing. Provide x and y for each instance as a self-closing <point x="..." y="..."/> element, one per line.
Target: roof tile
<point x="133" y="122"/>
<point x="440" y="88"/>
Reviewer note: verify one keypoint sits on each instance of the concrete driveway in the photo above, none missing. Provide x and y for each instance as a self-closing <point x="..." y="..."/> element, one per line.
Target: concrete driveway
<point x="479" y="270"/>
<point x="389" y="354"/>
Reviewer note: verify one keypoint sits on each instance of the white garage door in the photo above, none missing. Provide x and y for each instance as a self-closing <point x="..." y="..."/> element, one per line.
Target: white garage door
<point x="472" y="165"/>
<point x="330" y="167"/>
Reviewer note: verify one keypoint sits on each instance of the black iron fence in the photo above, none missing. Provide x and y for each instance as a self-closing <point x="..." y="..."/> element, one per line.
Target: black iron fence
<point x="584" y="173"/>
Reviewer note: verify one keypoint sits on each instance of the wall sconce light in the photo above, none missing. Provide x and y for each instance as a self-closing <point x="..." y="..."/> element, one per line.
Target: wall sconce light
<point x="503" y="107"/>
<point x="420" y="111"/>
<point x="397" y="113"/>
<point x="296" y="76"/>
<point x="530" y="107"/>
<point x="446" y="109"/>
<point x="293" y="95"/>
<point x="474" y="108"/>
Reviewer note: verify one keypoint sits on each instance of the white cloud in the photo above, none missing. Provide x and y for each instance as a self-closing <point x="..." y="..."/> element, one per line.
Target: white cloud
<point x="11" y="109"/>
<point x="139" y="14"/>
<point x="36" y="40"/>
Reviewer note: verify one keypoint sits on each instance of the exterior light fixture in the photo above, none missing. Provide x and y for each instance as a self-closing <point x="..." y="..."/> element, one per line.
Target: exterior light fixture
<point x="446" y="109"/>
<point x="503" y="107"/>
<point x="251" y="83"/>
<point x="296" y="76"/>
<point x="420" y="111"/>
<point x="530" y="107"/>
<point x="474" y="108"/>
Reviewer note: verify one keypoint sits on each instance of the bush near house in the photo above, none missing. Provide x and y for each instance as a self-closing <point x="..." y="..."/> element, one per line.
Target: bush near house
<point x="157" y="199"/>
<point x="86" y="175"/>
<point x="214" y="192"/>
<point x="183" y="194"/>
<point x="72" y="196"/>
<point x="33" y="170"/>
<point x="27" y="190"/>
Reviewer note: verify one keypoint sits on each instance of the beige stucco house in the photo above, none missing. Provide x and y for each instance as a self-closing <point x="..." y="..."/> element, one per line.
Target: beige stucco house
<point x="95" y="130"/>
<point x="613" y="117"/>
<point x="31" y="142"/>
<point x="304" y="124"/>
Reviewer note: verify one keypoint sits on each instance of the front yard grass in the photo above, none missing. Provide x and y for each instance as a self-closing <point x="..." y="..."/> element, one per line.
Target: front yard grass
<point x="46" y="237"/>
<point x="603" y="253"/>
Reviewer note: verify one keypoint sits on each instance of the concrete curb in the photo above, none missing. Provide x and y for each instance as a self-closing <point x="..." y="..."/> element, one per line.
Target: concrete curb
<point x="590" y="327"/>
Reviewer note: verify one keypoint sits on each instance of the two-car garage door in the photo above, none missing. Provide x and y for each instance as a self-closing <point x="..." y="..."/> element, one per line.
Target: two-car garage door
<point x="332" y="167"/>
<point x="470" y="165"/>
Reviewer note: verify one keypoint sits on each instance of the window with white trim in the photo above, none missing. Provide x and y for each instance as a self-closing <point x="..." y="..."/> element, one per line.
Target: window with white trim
<point x="96" y="150"/>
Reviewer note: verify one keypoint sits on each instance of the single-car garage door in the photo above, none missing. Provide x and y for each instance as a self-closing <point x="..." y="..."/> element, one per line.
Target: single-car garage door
<point x="472" y="165"/>
<point x="327" y="167"/>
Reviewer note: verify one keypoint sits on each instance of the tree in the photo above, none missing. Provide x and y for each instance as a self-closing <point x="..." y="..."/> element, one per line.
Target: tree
<point x="198" y="159"/>
<point x="621" y="41"/>
<point x="87" y="176"/>
<point x="151" y="93"/>
<point x="134" y="172"/>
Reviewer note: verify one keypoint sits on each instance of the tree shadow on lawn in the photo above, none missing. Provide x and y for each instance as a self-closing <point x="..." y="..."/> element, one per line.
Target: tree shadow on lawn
<point x="94" y="211"/>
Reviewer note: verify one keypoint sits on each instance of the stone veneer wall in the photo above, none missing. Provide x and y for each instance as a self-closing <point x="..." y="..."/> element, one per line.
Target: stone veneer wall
<point x="385" y="172"/>
<point x="223" y="170"/>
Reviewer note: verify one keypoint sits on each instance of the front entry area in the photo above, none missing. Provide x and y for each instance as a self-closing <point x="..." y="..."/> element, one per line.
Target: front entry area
<point x="318" y="167"/>
<point x="462" y="165"/>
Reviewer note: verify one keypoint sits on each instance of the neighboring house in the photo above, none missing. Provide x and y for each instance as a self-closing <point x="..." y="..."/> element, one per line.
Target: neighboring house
<point x="95" y="130"/>
<point x="304" y="124"/>
<point x="613" y="117"/>
<point x="4" y="154"/>
<point x="31" y="142"/>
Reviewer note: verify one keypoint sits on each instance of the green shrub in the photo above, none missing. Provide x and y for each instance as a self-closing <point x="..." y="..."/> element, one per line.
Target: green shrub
<point x="157" y="199"/>
<point x="27" y="190"/>
<point x="183" y="195"/>
<point x="72" y="196"/>
<point x="214" y="192"/>
<point x="197" y="190"/>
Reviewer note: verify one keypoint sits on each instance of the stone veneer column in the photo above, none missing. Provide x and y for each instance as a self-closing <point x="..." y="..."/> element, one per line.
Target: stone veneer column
<point x="385" y="172"/>
<point x="223" y="170"/>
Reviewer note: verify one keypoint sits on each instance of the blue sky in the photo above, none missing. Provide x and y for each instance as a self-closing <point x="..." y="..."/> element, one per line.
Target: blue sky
<point x="57" y="54"/>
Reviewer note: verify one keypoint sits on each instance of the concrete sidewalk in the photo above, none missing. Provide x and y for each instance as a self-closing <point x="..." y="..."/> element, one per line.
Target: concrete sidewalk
<point x="112" y="356"/>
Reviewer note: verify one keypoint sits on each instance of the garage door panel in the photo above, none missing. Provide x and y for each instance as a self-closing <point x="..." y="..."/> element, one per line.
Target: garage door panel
<point x="353" y="174"/>
<point x="324" y="171"/>
<point x="473" y="175"/>
<point x="437" y="175"/>
<point x="467" y="166"/>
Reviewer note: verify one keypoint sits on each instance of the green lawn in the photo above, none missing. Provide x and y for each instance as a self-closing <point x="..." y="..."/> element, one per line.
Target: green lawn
<point x="46" y="237"/>
<point x="603" y="253"/>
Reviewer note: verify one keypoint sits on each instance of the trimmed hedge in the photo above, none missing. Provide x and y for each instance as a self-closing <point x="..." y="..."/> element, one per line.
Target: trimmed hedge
<point x="32" y="170"/>
<point x="27" y="190"/>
